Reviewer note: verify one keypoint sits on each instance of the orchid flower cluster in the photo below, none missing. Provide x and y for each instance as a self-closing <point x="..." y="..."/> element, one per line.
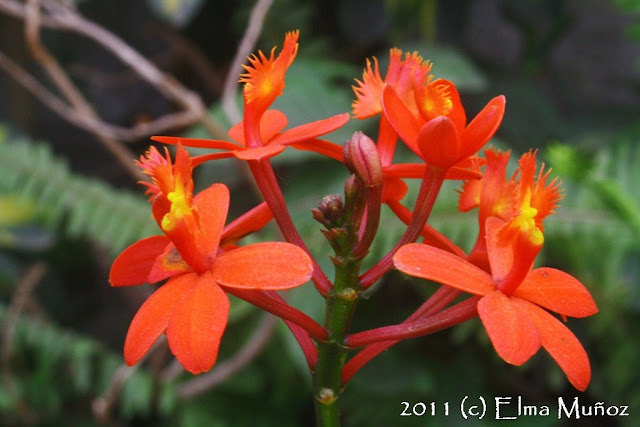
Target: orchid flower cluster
<point x="199" y="256"/>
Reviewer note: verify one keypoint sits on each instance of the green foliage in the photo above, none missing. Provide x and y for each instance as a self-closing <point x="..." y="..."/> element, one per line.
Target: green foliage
<point x="86" y="207"/>
<point x="44" y="355"/>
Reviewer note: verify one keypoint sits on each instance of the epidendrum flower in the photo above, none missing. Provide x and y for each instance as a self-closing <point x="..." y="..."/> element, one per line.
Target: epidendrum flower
<point x="513" y="294"/>
<point x="424" y="111"/>
<point x="198" y="257"/>
<point x="411" y="101"/>
<point x="261" y="133"/>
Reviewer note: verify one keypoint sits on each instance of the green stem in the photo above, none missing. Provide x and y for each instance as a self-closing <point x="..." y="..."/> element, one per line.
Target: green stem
<point x="332" y="353"/>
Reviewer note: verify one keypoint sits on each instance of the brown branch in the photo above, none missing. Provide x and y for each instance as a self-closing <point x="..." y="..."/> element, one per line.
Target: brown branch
<point x="63" y="17"/>
<point x="68" y="88"/>
<point x="226" y="369"/>
<point x="97" y="127"/>
<point x="21" y="296"/>
<point x="103" y="405"/>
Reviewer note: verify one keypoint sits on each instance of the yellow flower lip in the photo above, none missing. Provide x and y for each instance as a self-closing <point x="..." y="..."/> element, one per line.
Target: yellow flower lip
<point x="179" y="208"/>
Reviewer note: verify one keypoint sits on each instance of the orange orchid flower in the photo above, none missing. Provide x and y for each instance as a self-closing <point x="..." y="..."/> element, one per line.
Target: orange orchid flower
<point x="192" y="307"/>
<point x="512" y="292"/>
<point x="516" y="324"/>
<point x="427" y="113"/>
<point x="440" y="95"/>
<point x="261" y="134"/>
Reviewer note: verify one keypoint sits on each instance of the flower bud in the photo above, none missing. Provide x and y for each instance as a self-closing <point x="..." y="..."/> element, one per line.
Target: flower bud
<point x="330" y="211"/>
<point x="362" y="158"/>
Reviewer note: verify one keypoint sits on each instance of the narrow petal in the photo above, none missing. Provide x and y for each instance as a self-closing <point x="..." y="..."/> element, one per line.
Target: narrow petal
<point x="400" y="118"/>
<point x="500" y="256"/>
<point x="557" y="291"/>
<point x="133" y="265"/>
<point x="320" y="146"/>
<point x="561" y="344"/>
<point x="405" y="170"/>
<point x="198" y="160"/>
<point x="197" y="324"/>
<point x="212" y="205"/>
<point x="456" y="173"/>
<point x="267" y="266"/>
<point x="197" y="142"/>
<point x="252" y="221"/>
<point x="259" y="153"/>
<point x="514" y="337"/>
<point x="310" y="130"/>
<point x="483" y="126"/>
<point x="439" y="142"/>
<point x="152" y="318"/>
<point x="443" y="267"/>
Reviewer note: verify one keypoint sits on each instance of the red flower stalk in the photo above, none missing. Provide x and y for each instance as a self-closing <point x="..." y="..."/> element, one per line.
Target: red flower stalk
<point x="192" y="307"/>
<point x="512" y="293"/>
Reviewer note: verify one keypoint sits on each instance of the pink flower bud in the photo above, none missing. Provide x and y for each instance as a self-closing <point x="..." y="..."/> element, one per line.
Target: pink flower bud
<point x="361" y="157"/>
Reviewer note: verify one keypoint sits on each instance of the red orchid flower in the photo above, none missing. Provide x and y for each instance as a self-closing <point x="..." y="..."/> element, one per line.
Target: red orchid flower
<point x="495" y="196"/>
<point x="260" y="135"/>
<point x="440" y="94"/>
<point x="516" y="324"/>
<point x="192" y="307"/>
<point x="512" y="292"/>
<point x="431" y="120"/>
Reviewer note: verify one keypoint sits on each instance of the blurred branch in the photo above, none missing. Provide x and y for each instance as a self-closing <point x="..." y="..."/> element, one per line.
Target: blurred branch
<point x="103" y="405"/>
<point x="254" y="345"/>
<point x="21" y="296"/>
<point x="62" y="16"/>
<point x="92" y="125"/>
<point x="67" y="87"/>
<point x="251" y="34"/>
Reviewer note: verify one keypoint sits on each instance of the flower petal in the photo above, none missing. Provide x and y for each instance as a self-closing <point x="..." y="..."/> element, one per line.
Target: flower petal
<point x="500" y="257"/>
<point x="320" y="146"/>
<point x="514" y="337"/>
<point x="251" y="221"/>
<point x="152" y="318"/>
<point x="439" y="142"/>
<point x="197" y="324"/>
<point x="557" y="291"/>
<point x="310" y="130"/>
<point x="483" y="126"/>
<point x="168" y="264"/>
<point x="561" y="344"/>
<point x="268" y="266"/>
<point x="212" y="206"/>
<point x="441" y="266"/>
<point x="133" y="265"/>
<point x="400" y="117"/>
<point x="198" y="160"/>
<point x="258" y="153"/>
<point x="197" y="142"/>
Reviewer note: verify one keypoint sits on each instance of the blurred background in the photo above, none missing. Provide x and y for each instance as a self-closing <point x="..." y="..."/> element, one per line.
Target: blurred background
<point x="69" y="202"/>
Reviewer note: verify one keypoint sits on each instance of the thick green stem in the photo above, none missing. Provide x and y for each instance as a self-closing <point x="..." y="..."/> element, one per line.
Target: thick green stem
<point x="332" y="353"/>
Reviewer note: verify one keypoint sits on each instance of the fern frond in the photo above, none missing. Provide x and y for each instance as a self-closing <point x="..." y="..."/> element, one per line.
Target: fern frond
<point x="111" y="218"/>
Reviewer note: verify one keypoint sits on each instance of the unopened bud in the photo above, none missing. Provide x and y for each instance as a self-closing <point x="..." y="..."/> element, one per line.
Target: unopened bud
<point x="362" y="158"/>
<point x="330" y="211"/>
